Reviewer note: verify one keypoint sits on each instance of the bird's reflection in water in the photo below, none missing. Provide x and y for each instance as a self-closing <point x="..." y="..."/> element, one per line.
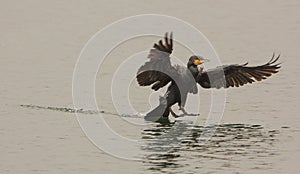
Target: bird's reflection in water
<point x="176" y="148"/>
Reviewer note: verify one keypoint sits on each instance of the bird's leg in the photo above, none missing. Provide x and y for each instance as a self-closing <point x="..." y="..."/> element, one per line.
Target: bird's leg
<point x="185" y="113"/>
<point x="173" y="113"/>
<point x="183" y="110"/>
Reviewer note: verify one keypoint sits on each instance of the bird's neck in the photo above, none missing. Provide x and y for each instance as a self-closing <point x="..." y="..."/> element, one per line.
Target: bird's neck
<point x="194" y="70"/>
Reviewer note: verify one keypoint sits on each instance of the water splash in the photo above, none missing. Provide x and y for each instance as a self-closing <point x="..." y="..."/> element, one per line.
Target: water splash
<point x="64" y="109"/>
<point x="81" y="111"/>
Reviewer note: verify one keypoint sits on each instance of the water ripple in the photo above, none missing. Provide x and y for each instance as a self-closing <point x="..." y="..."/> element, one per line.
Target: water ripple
<point x="177" y="149"/>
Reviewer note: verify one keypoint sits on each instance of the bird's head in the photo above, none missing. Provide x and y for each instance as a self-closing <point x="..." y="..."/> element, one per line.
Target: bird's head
<point x="196" y="60"/>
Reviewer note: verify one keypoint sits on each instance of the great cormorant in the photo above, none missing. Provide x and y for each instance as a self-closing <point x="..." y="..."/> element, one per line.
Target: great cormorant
<point x="158" y="72"/>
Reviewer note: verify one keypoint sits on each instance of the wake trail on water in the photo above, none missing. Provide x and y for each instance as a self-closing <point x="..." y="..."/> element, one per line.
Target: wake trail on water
<point x="73" y="110"/>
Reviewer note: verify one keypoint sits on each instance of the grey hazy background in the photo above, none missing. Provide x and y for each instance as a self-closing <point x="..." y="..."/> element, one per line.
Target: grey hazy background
<point x="40" y="42"/>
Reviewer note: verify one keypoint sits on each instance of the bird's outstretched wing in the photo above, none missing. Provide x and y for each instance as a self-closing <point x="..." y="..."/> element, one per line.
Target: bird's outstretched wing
<point x="158" y="71"/>
<point x="237" y="75"/>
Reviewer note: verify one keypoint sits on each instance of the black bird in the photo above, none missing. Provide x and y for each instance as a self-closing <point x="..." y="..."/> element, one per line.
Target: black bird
<point x="158" y="72"/>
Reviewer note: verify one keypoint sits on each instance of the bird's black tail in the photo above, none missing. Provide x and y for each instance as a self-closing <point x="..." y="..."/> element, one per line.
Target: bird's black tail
<point x="160" y="111"/>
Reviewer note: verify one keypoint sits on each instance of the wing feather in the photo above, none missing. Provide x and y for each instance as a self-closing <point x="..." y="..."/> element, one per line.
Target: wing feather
<point x="158" y="71"/>
<point x="237" y="75"/>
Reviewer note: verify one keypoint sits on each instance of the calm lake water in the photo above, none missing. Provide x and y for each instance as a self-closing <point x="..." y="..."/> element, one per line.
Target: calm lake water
<point x="40" y="43"/>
